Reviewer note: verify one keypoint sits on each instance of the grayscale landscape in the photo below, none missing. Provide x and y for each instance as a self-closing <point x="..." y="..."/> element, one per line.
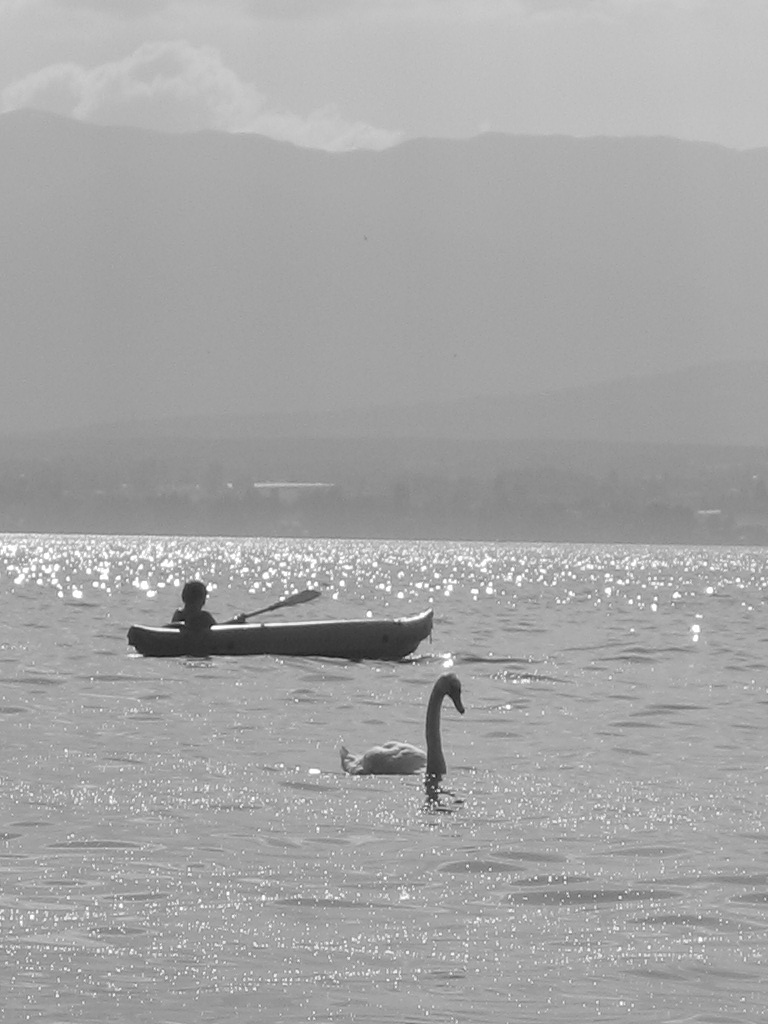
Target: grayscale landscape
<point x="358" y="354"/>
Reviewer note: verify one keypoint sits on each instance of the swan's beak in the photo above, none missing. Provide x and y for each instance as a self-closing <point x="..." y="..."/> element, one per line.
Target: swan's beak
<point x="458" y="704"/>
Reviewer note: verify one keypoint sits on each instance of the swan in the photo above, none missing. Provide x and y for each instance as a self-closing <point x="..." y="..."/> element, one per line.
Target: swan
<point x="395" y="758"/>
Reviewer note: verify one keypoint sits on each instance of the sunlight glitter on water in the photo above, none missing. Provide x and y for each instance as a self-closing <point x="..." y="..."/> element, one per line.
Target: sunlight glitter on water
<point x="177" y="838"/>
<point x="152" y="564"/>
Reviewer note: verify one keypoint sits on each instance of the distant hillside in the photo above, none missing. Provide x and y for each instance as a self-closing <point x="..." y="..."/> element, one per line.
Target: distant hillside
<point x="149" y="276"/>
<point x="720" y="405"/>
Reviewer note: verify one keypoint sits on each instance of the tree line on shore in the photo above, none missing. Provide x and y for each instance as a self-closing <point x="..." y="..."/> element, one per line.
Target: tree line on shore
<point x="704" y="501"/>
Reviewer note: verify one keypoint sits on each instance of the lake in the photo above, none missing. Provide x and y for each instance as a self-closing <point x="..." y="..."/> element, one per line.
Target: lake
<point x="178" y="842"/>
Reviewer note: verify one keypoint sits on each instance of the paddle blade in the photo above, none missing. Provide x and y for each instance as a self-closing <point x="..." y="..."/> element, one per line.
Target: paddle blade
<point x="300" y="597"/>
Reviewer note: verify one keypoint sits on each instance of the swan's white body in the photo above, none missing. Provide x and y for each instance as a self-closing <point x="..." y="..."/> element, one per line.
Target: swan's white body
<point x="396" y="758"/>
<point x="391" y="758"/>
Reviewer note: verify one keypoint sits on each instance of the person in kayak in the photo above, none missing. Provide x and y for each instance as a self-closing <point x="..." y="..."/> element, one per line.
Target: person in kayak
<point x="192" y="615"/>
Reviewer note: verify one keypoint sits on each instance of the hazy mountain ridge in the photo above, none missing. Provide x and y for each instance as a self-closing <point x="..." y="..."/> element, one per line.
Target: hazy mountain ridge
<point x="148" y="276"/>
<point x="470" y="470"/>
<point x="721" y="404"/>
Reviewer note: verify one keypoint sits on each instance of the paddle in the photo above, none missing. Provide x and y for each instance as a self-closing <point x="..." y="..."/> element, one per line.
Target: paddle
<point x="300" y="597"/>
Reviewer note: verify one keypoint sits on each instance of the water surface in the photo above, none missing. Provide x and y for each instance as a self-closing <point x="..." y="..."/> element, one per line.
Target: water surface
<point x="178" y="842"/>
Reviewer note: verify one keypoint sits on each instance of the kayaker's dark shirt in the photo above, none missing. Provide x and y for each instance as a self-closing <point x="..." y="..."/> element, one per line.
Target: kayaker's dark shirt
<point x="197" y="621"/>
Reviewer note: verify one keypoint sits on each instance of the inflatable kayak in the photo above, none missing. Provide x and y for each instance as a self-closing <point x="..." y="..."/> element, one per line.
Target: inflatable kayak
<point x="353" y="639"/>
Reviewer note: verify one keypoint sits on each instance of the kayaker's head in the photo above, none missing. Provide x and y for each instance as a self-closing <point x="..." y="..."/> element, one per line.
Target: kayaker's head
<point x="194" y="594"/>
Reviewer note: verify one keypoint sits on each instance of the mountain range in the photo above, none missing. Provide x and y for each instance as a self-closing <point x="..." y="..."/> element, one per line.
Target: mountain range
<point x="493" y="287"/>
<point x="721" y="404"/>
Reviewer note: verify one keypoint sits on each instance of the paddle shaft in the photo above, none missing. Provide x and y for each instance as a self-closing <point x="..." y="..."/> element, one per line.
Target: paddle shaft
<point x="301" y="597"/>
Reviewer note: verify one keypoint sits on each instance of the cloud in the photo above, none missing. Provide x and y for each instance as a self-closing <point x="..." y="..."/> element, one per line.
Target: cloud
<point x="175" y="86"/>
<point x="324" y="73"/>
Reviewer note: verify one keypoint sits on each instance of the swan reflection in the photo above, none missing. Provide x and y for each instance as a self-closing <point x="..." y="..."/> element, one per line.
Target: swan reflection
<point x="434" y="794"/>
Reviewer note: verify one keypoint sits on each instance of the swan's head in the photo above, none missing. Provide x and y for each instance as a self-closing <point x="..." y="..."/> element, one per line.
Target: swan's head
<point x="450" y="686"/>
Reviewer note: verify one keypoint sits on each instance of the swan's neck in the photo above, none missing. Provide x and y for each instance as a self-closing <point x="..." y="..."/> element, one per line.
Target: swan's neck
<point x="435" y="759"/>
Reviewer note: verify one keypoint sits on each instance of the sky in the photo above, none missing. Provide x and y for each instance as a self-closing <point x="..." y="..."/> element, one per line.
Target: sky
<point x="346" y="74"/>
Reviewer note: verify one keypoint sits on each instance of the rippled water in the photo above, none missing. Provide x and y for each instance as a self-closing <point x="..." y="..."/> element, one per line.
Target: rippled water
<point x="178" y="842"/>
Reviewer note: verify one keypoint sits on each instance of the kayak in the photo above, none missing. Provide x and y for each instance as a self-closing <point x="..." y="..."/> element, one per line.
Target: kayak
<point x="352" y="639"/>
